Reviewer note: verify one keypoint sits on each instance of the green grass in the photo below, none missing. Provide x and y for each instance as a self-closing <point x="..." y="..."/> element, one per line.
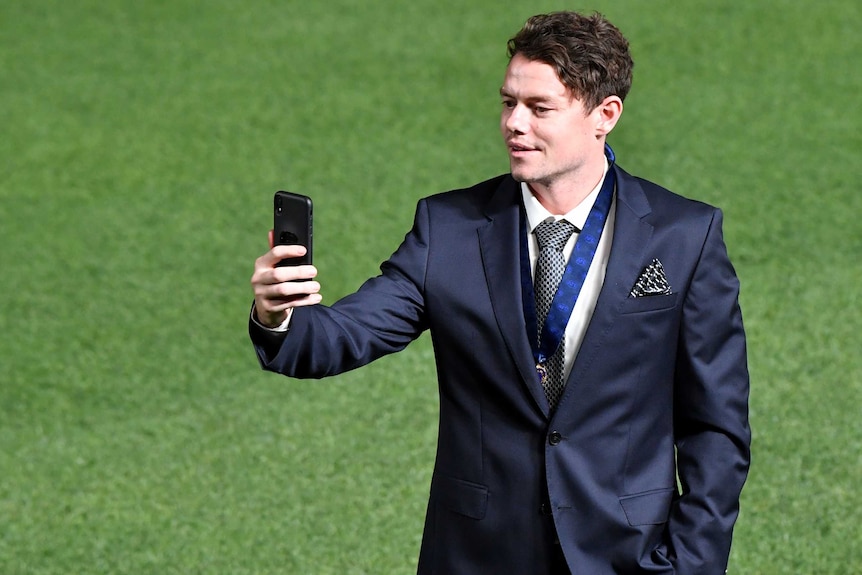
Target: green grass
<point x="141" y="144"/>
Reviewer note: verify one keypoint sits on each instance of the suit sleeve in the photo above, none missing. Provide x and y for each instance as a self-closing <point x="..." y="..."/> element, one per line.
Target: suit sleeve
<point x="710" y="413"/>
<point x="382" y="317"/>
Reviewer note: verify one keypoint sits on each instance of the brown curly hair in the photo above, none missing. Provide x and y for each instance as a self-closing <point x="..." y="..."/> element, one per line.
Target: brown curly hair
<point x="590" y="55"/>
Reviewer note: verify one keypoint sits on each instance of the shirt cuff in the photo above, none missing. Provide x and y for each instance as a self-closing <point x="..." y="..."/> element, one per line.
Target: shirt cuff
<point x="284" y="327"/>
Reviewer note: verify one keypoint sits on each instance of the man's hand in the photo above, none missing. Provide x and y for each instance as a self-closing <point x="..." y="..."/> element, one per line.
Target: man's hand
<point x="278" y="289"/>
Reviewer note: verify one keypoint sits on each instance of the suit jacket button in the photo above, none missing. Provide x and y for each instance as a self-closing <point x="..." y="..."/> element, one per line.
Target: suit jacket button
<point x="555" y="438"/>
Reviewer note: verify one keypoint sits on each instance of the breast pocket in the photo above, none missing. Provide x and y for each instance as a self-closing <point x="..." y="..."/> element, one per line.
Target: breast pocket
<point x="649" y="303"/>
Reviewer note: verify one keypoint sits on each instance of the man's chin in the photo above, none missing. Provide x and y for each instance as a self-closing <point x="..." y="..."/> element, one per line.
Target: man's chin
<point x="523" y="176"/>
<point x="520" y="174"/>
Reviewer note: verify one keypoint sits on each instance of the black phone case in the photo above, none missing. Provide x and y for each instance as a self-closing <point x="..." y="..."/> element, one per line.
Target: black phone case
<point x="292" y="224"/>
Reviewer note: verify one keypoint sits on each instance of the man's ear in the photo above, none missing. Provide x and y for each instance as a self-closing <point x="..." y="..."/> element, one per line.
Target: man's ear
<point x="608" y="113"/>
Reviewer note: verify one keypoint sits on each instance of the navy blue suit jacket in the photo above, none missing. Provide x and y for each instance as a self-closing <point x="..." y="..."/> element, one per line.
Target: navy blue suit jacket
<point x="640" y="467"/>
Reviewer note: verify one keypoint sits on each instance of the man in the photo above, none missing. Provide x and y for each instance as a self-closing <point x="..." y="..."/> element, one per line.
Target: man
<point x="599" y="427"/>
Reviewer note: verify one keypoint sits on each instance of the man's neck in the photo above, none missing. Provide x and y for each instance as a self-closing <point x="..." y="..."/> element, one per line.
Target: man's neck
<point x="562" y="196"/>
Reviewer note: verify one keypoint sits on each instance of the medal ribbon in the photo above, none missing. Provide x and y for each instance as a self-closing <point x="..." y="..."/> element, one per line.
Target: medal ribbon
<point x="573" y="278"/>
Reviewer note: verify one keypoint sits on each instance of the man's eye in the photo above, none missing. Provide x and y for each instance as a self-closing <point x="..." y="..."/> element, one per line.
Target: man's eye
<point x="541" y="110"/>
<point x="508" y="104"/>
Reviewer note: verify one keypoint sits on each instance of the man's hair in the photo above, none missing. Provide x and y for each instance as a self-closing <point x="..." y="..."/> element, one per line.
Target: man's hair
<point x="590" y="55"/>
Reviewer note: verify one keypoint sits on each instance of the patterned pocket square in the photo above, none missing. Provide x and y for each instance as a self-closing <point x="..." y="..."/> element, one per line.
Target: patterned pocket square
<point x="652" y="281"/>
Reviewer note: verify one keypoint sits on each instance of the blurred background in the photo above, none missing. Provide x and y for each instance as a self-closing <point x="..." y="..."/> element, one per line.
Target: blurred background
<point x="140" y="145"/>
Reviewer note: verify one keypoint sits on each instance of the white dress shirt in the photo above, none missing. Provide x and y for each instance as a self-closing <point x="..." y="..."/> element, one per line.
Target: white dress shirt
<point x="583" y="311"/>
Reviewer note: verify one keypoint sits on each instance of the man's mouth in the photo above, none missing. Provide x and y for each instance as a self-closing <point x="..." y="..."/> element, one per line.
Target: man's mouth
<point x="517" y="148"/>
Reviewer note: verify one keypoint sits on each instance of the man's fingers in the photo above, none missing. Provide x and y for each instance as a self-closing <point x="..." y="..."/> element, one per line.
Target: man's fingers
<point x="288" y="289"/>
<point x="273" y="300"/>
<point x="278" y="253"/>
<point x="293" y="273"/>
<point x="266" y="272"/>
<point x="279" y="288"/>
<point x="297" y="300"/>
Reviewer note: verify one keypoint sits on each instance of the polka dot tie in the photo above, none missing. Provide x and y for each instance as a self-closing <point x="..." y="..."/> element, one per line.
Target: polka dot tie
<point x="552" y="236"/>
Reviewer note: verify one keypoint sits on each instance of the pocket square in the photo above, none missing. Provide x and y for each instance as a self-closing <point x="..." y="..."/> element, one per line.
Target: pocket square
<point x="652" y="281"/>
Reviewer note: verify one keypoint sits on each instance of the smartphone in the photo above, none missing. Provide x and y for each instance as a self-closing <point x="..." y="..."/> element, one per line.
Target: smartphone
<point x="292" y="224"/>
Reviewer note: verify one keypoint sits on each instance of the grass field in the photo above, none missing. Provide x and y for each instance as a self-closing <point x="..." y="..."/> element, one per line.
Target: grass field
<point x="141" y="144"/>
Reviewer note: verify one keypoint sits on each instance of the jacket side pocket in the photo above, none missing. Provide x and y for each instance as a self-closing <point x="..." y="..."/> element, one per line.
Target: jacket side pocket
<point x="649" y="507"/>
<point x="463" y="497"/>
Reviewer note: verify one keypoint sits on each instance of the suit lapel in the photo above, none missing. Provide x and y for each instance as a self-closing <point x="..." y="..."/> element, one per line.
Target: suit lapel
<point x="631" y="235"/>
<point x="499" y="242"/>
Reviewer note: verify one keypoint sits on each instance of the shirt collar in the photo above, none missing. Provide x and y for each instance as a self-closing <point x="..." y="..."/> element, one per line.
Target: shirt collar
<point x="536" y="212"/>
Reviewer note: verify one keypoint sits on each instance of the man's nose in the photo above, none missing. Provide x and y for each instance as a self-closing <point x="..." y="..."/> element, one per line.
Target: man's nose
<point x="516" y="122"/>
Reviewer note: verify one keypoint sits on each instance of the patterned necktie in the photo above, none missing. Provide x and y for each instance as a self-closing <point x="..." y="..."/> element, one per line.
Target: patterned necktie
<point x="552" y="237"/>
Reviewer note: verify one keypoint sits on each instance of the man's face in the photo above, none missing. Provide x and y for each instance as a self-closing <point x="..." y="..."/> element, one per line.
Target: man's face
<point x="549" y="135"/>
